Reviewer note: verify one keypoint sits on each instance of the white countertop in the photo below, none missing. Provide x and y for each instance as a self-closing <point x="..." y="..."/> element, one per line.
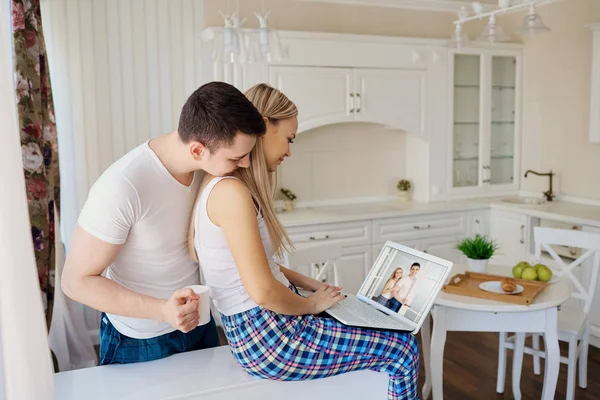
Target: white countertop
<point x="556" y="210"/>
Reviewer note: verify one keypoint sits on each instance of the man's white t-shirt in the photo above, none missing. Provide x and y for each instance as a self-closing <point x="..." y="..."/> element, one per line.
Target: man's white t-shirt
<point x="138" y="203"/>
<point x="405" y="284"/>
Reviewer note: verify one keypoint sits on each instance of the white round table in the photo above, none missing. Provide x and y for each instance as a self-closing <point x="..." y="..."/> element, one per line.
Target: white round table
<point x="470" y="314"/>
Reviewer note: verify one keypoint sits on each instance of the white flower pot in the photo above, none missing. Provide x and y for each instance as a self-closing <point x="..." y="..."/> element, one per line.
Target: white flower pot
<point x="289" y="205"/>
<point x="404" y="195"/>
<point x="478" y="265"/>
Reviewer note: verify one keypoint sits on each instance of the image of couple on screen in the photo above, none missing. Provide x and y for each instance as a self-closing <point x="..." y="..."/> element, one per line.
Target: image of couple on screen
<point x="399" y="289"/>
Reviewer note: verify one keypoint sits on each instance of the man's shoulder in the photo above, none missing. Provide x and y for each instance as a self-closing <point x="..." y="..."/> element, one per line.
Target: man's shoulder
<point x="129" y="169"/>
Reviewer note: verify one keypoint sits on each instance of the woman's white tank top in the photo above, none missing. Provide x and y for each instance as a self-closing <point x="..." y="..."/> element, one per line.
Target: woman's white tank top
<point x="216" y="261"/>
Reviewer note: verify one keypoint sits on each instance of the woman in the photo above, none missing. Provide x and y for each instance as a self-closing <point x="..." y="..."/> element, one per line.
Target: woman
<point x="386" y="293"/>
<point x="403" y="288"/>
<point x="273" y="332"/>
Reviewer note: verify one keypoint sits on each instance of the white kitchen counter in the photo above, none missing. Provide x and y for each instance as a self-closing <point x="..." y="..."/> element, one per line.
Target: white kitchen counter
<point x="362" y="211"/>
<point x="556" y="210"/>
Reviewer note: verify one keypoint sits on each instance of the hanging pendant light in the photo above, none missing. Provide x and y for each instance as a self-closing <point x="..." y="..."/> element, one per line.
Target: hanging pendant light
<point x="459" y="38"/>
<point x="493" y="32"/>
<point x="234" y="45"/>
<point x="269" y="43"/>
<point x="227" y="41"/>
<point x="532" y="23"/>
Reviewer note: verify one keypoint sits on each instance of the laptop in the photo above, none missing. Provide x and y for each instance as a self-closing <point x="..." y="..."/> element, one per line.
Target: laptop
<point x="398" y="292"/>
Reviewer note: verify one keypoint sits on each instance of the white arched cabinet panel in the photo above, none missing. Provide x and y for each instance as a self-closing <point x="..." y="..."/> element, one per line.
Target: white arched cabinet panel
<point x="392" y="97"/>
<point x="322" y="95"/>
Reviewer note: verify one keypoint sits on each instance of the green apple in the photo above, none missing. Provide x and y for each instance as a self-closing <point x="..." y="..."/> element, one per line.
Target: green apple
<point x="538" y="266"/>
<point x="544" y="273"/>
<point x="517" y="271"/>
<point x="524" y="264"/>
<point x="529" y="274"/>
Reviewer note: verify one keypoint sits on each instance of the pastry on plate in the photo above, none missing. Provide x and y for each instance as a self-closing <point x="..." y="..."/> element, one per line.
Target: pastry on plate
<point x="509" y="285"/>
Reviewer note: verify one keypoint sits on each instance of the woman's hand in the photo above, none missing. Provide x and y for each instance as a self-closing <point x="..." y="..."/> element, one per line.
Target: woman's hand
<point x="325" y="298"/>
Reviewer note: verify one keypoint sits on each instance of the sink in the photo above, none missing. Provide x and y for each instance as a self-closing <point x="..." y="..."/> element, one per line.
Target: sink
<point x="530" y="201"/>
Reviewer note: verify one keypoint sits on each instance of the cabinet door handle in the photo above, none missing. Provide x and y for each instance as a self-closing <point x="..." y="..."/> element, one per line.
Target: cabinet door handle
<point x="422" y="226"/>
<point x="359" y="102"/>
<point x="487" y="176"/>
<point x="476" y="220"/>
<point x="319" y="237"/>
<point x="352" y="103"/>
<point x="522" y="234"/>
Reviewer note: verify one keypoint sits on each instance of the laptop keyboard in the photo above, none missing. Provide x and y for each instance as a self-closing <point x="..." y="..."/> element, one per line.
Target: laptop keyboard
<point x="366" y="312"/>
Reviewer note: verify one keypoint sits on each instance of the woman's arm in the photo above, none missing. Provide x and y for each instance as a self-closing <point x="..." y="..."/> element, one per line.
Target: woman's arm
<point x="300" y="280"/>
<point x="230" y="207"/>
<point x="389" y="287"/>
<point x="304" y="281"/>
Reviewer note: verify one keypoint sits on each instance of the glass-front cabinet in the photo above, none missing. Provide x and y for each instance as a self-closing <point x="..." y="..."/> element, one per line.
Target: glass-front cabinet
<point x="485" y="137"/>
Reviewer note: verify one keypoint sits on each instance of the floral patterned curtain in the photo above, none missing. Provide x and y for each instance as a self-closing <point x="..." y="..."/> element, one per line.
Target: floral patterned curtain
<point x="38" y="137"/>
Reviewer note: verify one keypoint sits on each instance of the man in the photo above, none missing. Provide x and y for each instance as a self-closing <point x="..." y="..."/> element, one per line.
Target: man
<point x="134" y="226"/>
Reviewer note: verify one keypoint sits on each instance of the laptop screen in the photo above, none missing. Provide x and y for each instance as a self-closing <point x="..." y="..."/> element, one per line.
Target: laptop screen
<point x="405" y="281"/>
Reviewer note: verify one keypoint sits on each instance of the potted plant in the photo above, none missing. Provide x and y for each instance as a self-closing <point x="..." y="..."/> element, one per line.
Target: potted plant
<point x="404" y="187"/>
<point x="289" y="199"/>
<point x="478" y="249"/>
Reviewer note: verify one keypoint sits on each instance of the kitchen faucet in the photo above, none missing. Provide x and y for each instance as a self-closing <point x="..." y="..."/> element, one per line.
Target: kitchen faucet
<point x="548" y="194"/>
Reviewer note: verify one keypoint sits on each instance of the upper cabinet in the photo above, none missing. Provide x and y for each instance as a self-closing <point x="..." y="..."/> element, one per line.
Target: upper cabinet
<point x="394" y="98"/>
<point x="322" y="95"/>
<point x="460" y="109"/>
<point x="484" y="121"/>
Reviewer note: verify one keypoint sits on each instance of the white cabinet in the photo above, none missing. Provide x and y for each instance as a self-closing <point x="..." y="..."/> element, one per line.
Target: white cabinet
<point x="322" y="95"/>
<point x="354" y="267"/>
<point x="436" y="234"/>
<point x="478" y="223"/>
<point x="510" y="231"/>
<point x="484" y="121"/>
<point x="391" y="97"/>
<point x="395" y="98"/>
<point x="354" y="237"/>
<point x="444" y="247"/>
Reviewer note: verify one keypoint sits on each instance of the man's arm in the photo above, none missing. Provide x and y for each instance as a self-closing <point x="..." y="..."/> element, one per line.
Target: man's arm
<point x="82" y="281"/>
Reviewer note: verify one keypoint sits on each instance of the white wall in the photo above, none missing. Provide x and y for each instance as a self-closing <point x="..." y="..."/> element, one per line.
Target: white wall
<point x="121" y="70"/>
<point x="556" y="100"/>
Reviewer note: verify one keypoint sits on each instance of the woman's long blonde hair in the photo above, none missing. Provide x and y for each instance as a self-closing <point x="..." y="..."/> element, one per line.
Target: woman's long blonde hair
<point x="274" y="106"/>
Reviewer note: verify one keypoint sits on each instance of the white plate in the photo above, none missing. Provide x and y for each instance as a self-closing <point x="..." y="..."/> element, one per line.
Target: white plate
<point x="496" y="287"/>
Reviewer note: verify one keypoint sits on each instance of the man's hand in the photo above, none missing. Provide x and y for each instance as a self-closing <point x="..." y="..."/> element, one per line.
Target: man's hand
<point x="181" y="310"/>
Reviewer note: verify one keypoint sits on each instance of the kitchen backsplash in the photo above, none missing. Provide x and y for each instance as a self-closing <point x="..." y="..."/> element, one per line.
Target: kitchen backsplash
<point x="344" y="161"/>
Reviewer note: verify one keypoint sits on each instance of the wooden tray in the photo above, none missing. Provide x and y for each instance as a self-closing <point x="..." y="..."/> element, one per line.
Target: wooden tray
<point x="467" y="284"/>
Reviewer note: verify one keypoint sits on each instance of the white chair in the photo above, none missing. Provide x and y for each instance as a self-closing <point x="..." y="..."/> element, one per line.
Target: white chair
<point x="573" y="321"/>
<point x="319" y="262"/>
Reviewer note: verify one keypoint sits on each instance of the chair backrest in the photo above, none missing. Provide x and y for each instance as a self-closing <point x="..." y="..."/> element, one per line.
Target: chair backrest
<point x="590" y="258"/>
<point x="319" y="262"/>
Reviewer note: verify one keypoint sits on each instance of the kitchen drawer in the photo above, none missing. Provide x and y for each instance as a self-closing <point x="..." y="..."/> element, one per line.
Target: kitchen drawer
<point x="414" y="227"/>
<point x="356" y="233"/>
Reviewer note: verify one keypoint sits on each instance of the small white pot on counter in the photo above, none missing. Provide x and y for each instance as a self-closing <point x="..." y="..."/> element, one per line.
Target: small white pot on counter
<point x="404" y="195"/>
<point x="478" y="265"/>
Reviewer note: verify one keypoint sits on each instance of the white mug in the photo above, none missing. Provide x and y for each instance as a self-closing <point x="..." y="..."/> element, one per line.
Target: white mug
<point x="203" y="303"/>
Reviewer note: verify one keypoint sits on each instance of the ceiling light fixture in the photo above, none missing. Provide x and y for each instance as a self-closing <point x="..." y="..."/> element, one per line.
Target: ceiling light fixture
<point x="532" y="23"/>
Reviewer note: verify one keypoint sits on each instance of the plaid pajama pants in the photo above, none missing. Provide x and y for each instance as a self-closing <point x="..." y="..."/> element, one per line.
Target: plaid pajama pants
<point x="283" y="347"/>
